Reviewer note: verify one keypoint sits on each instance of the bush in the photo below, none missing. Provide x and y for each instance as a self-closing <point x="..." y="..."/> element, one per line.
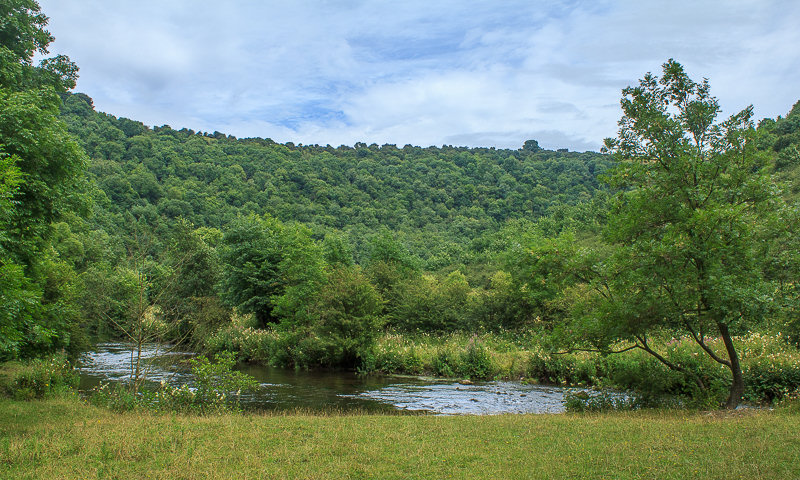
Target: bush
<point x="116" y="398"/>
<point x="217" y="389"/>
<point x="40" y="378"/>
<point x="345" y="320"/>
<point x="553" y="369"/>
<point x="476" y="362"/>
<point x="446" y="363"/>
<point x="790" y="402"/>
<point x="218" y="386"/>
<point x="603" y="401"/>
<point x="771" y="378"/>
<point x="396" y="354"/>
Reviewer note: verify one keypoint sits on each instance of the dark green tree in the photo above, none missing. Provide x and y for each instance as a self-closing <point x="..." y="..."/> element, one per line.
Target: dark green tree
<point x="251" y="255"/>
<point x="270" y="269"/>
<point x="531" y="146"/>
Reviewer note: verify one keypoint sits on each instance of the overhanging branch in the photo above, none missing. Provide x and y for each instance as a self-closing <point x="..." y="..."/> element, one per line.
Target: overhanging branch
<point x="701" y="341"/>
<point x="595" y="350"/>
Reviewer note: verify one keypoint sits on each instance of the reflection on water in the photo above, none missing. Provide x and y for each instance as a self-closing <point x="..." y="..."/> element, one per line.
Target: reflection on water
<point x="289" y="389"/>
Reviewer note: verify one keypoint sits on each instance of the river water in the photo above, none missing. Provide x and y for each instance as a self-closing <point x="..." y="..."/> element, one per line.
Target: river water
<point x="282" y="389"/>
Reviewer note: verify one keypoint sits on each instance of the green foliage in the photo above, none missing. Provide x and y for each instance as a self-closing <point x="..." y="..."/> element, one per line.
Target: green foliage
<point x="22" y="35"/>
<point x="476" y="361"/>
<point x="771" y="379"/>
<point x="218" y="388"/>
<point x="531" y="146"/>
<point x="684" y="232"/>
<point x="50" y="162"/>
<point x="271" y="269"/>
<point x="19" y="305"/>
<point x="39" y="378"/>
<point x="116" y="398"/>
<point x="341" y="325"/>
<point x="429" y="203"/>
<point x="345" y="317"/>
<point x="582" y="401"/>
<point x="189" y="300"/>
<point x="41" y="175"/>
<point x="336" y="250"/>
<point x="191" y="232"/>
<point x="251" y="254"/>
<point x="435" y="200"/>
<point x="302" y="270"/>
<point x="498" y="306"/>
<point x="10" y="178"/>
<point x="429" y="304"/>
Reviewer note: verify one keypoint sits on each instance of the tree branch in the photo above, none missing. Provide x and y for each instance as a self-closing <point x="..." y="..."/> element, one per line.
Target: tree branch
<point x="595" y="350"/>
<point x="700" y="341"/>
<point x="672" y="366"/>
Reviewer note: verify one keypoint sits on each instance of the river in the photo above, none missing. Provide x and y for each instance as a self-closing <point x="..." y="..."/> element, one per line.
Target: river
<point x="282" y="389"/>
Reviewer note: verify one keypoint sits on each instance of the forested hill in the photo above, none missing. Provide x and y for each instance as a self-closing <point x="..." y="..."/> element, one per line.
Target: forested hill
<point x="436" y="200"/>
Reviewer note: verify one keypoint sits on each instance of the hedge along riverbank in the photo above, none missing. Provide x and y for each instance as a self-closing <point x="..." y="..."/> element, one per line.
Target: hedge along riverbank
<point x="771" y="365"/>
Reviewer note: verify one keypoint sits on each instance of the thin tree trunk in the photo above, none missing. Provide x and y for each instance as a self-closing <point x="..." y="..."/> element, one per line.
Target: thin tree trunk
<point x="737" y="387"/>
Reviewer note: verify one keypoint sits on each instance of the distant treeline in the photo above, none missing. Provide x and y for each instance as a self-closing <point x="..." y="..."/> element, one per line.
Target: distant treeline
<point x="437" y="200"/>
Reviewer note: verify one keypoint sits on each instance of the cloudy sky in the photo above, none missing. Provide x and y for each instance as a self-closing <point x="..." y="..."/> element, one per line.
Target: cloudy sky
<point x="455" y="72"/>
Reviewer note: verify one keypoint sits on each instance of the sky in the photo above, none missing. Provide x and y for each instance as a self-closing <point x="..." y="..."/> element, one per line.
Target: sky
<point x="449" y="72"/>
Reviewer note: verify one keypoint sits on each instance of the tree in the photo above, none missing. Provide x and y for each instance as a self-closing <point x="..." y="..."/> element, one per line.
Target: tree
<point x="193" y="274"/>
<point x="50" y="162"/>
<point x="251" y="253"/>
<point x="41" y="168"/>
<point x="345" y="317"/>
<point x="693" y="202"/>
<point x="531" y="146"/>
<point x="270" y="269"/>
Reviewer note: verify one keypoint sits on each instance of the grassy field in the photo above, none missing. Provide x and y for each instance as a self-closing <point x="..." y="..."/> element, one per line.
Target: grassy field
<point x="64" y="438"/>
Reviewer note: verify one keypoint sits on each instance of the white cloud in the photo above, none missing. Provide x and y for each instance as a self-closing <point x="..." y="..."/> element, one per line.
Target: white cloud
<point x="427" y="73"/>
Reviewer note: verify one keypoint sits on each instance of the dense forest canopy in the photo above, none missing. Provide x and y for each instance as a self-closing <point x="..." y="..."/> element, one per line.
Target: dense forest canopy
<point x="438" y="198"/>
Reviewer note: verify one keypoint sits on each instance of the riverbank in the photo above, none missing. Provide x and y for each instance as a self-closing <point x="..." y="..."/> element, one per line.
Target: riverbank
<point x="771" y="365"/>
<point x="65" y="438"/>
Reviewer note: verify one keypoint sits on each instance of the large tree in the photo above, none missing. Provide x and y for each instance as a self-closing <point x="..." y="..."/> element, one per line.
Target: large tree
<point x="682" y="245"/>
<point x="40" y="168"/>
<point x="49" y="160"/>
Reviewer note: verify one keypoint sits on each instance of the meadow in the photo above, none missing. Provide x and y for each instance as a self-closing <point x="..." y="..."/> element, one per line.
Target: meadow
<point x="65" y="438"/>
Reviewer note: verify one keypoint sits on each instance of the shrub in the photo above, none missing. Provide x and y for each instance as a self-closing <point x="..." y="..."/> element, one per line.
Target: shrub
<point x="603" y="401"/>
<point x="41" y="378"/>
<point x="217" y="389"/>
<point x="446" y="363"/>
<point x="790" y="402"/>
<point x="218" y="386"/>
<point x="553" y="369"/>
<point x="116" y="398"/>
<point x="771" y="378"/>
<point x="346" y="319"/>
<point x="476" y="362"/>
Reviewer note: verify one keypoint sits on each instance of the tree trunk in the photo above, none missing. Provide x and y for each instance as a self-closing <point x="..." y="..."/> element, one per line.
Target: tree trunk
<point x="737" y="387"/>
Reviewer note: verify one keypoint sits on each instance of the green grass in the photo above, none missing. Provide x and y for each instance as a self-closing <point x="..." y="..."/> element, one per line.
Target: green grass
<point x="64" y="438"/>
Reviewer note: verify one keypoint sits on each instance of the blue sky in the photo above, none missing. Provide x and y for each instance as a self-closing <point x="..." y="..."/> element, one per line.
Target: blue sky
<point x="474" y="73"/>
